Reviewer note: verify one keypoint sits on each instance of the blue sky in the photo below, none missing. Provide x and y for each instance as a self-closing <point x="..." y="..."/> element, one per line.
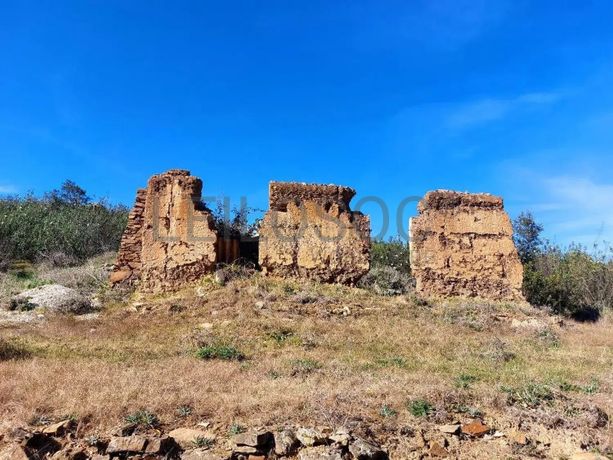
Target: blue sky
<point x="394" y="98"/>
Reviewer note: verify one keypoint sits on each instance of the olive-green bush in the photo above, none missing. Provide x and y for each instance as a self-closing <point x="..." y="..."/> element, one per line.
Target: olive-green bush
<point x="571" y="281"/>
<point x="64" y="226"/>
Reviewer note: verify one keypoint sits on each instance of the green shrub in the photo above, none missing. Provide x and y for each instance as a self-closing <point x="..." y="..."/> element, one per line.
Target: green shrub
<point x="570" y="281"/>
<point x="185" y="410"/>
<point x="419" y="408"/>
<point x="392" y="253"/>
<point x="390" y="270"/>
<point x="64" y="224"/>
<point x="223" y="352"/>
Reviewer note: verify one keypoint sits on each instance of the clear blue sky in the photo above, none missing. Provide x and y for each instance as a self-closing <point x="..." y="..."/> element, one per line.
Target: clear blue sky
<point x="394" y="98"/>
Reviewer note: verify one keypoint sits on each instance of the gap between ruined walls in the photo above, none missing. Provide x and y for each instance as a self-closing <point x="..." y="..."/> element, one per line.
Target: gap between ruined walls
<point x="460" y="243"/>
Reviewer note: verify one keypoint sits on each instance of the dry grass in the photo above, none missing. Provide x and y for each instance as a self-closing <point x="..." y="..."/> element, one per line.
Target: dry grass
<point x="315" y="355"/>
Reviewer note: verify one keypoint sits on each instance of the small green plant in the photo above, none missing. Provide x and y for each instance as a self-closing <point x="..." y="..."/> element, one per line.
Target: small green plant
<point x="185" y="411"/>
<point x="463" y="409"/>
<point x="591" y="388"/>
<point x="419" y="407"/>
<point x="235" y="428"/>
<point x="281" y="336"/>
<point x="530" y="395"/>
<point x="387" y="411"/>
<point x="223" y="352"/>
<point x="393" y="361"/>
<point x="464" y="380"/>
<point x="303" y="367"/>
<point x="202" y="442"/>
<point x="143" y="418"/>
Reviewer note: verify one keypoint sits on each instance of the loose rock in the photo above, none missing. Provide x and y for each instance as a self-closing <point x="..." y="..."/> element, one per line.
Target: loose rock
<point x="285" y="442"/>
<point x="128" y="444"/>
<point x="320" y="453"/>
<point x="186" y="437"/>
<point x="309" y="437"/>
<point x="475" y="429"/>
<point x="364" y="450"/>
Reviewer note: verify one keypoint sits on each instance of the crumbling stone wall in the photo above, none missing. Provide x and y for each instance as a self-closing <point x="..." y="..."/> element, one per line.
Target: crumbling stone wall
<point x="170" y="239"/>
<point x="128" y="265"/>
<point x="462" y="245"/>
<point x="310" y="231"/>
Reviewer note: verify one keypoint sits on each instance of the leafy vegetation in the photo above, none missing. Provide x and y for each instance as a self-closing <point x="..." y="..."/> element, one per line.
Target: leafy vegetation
<point x="419" y="408"/>
<point x="223" y="352"/>
<point x="570" y="281"/>
<point x="64" y="226"/>
<point x="143" y="418"/>
<point x="390" y="268"/>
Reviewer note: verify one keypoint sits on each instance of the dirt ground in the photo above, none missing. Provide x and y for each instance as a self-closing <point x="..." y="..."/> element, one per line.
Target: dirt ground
<point x="262" y="352"/>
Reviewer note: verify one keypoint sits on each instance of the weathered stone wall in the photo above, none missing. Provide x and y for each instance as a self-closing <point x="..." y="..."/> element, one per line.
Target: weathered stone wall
<point x="128" y="265"/>
<point x="311" y="232"/>
<point x="170" y="239"/>
<point x="462" y="245"/>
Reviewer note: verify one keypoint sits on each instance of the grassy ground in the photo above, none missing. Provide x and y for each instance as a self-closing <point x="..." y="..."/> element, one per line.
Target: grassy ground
<point x="266" y="352"/>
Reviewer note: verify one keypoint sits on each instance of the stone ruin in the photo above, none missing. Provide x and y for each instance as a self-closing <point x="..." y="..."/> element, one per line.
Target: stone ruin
<point x="170" y="239"/>
<point x="311" y="232"/>
<point x="461" y="244"/>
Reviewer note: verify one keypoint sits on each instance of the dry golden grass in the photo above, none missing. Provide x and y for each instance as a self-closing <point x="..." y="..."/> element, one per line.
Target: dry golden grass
<point x="315" y="355"/>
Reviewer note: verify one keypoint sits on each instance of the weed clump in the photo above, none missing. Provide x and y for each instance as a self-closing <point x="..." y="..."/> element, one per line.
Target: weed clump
<point x="419" y="408"/>
<point x="531" y="395"/>
<point x="223" y="352"/>
<point x="143" y="419"/>
<point x="304" y="367"/>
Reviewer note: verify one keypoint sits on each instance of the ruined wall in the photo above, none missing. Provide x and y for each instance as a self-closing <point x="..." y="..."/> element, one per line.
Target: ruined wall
<point x="462" y="245"/>
<point x="128" y="265"/>
<point x="311" y="232"/>
<point x="170" y="239"/>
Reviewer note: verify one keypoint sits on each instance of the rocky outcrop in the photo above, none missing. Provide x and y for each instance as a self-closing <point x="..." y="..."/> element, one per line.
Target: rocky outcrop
<point x="311" y="232"/>
<point x="170" y="239"/>
<point x="462" y="245"/>
<point x="52" y="297"/>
